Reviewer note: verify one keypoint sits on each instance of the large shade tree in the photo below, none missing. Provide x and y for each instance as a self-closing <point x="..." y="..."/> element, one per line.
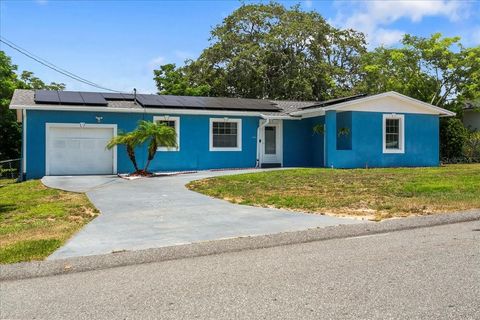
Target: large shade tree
<point x="270" y="51"/>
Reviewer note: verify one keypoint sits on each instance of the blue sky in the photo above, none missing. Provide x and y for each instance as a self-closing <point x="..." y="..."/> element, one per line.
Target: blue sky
<point x="118" y="43"/>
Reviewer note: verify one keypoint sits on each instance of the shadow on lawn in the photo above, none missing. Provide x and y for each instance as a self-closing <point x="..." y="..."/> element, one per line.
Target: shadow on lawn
<point x="4" y="208"/>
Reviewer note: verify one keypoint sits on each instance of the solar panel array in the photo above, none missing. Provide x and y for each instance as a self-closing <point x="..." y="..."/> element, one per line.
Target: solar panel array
<point x="153" y="101"/>
<point x="211" y="103"/>
<point x="69" y="98"/>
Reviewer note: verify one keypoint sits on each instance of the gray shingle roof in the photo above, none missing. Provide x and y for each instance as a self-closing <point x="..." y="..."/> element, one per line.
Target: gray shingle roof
<point x="22" y="97"/>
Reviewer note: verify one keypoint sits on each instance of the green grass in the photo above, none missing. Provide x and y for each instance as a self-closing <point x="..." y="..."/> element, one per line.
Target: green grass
<point x="29" y="250"/>
<point x="36" y="220"/>
<point x="373" y="193"/>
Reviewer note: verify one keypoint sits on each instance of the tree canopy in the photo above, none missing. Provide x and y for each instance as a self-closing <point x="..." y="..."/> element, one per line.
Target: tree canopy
<point x="269" y="51"/>
<point x="438" y="70"/>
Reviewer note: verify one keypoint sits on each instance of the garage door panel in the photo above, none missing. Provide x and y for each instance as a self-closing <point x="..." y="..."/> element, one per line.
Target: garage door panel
<point x="73" y="150"/>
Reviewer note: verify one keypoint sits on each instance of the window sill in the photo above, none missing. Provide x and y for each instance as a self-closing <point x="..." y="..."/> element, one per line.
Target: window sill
<point x="168" y="149"/>
<point x="387" y="151"/>
<point x="225" y="149"/>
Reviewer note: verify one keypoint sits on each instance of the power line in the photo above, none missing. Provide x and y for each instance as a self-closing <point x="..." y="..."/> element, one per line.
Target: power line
<point x="52" y="66"/>
<point x="33" y="56"/>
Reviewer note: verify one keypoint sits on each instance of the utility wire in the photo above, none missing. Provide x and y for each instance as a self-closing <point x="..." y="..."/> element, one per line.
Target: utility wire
<point x="52" y="66"/>
<point x="25" y="51"/>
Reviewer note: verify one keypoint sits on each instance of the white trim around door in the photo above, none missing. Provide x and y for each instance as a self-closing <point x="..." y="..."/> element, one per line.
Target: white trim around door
<point x="275" y="155"/>
<point x="81" y="125"/>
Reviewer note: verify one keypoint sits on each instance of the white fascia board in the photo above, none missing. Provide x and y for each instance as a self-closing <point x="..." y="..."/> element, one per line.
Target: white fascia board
<point x="315" y="112"/>
<point x="339" y="106"/>
<point x="263" y="116"/>
<point x="137" y="110"/>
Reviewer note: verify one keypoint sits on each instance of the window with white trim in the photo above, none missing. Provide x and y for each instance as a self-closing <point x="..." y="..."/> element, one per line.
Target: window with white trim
<point x="393" y="133"/>
<point x="172" y="122"/>
<point x="225" y="134"/>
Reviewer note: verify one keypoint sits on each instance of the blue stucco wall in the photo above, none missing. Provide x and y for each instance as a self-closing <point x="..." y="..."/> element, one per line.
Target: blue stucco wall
<point x="297" y="143"/>
<point x="317" y="142"/>
<point x="421" y="142"/>
<point x="194" y="142"/>
<point x="344" y="120"/>
<point x="301" y="147"/>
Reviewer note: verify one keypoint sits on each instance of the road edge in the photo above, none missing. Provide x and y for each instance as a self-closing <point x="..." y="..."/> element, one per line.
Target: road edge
<point x="25" y="270"/>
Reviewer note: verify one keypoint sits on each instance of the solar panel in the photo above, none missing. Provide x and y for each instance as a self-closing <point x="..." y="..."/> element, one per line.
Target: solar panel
<point x="155" y="101"/>
<point x="93" y="99"/>
<point x="200" y="102"/>
<point x="117" y="96"/>
<point x="70" y="97"/>
<point x="46" y="96"/>
<point x="212" y="103"/>
<point x="127" y="96"/>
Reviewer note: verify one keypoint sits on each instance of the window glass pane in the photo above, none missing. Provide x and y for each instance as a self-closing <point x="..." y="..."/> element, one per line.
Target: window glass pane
<point x="168" y="123"/>
<point x="224" y="135"/>
<point x="270" y="140"/>
<point x="392" y="125"/>
<point x="392" y="134"/>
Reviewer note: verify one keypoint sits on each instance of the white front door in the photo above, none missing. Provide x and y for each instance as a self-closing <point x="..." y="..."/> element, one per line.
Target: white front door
<point x="271" y="142"/>
<point x="72" y="149"/>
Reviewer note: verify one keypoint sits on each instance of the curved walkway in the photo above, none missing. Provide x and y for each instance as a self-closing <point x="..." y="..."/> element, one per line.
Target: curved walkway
<point x="157" y="212"/>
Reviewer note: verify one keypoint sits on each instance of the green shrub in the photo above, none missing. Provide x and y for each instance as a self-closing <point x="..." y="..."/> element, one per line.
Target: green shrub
<point x="453" y="136"/>
<point x="471" y="148"/>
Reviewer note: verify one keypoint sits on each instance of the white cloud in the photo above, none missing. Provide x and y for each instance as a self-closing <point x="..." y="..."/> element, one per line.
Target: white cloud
<point x="183" y="55"/>
<point x="373" y="17"/>
<point x="156" y="62"/>
<point x="476" y="36"/>
<point x="388" y="37"/>
<point x="390" y="11"/>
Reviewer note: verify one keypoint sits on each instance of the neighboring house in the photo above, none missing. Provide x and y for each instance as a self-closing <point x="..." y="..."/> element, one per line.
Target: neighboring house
<point x="471" y="117"/>
<point x="65" y="133"/>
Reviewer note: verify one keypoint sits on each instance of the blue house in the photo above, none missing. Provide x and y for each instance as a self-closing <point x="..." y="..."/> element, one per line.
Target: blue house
<point x="65" y="133"/>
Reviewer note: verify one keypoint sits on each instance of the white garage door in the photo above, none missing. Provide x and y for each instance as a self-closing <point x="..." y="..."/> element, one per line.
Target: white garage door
<point x="73" y="150"/>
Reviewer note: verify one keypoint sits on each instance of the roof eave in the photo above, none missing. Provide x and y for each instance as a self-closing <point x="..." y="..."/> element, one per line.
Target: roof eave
<point x="46" y="107"/>
<point x="441" y="112"/>
<point x="280" y="117"/>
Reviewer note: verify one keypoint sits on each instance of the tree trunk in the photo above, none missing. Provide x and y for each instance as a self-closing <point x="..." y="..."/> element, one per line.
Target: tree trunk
<point x="131" y="155"/>
<point x="152" y="149"/>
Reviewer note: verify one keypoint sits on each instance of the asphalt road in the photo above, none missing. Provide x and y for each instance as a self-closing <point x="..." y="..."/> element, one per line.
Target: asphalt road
<point x="428" y="273"/>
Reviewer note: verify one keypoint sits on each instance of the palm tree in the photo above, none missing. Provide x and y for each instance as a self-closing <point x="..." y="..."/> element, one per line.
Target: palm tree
<point x="130" y="140"/>
<point x="157" y="134"/>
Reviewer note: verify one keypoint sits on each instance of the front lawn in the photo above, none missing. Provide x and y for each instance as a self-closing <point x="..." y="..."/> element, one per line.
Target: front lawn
<point x="372" y="193"/>
<point x="36" y="220"/>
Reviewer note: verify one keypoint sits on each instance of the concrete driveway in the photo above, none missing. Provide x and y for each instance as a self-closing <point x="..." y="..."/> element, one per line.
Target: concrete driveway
<point x="156" y="212"/>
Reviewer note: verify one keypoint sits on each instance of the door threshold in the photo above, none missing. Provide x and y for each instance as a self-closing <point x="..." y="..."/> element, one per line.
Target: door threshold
<point x="271" y="165"/>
